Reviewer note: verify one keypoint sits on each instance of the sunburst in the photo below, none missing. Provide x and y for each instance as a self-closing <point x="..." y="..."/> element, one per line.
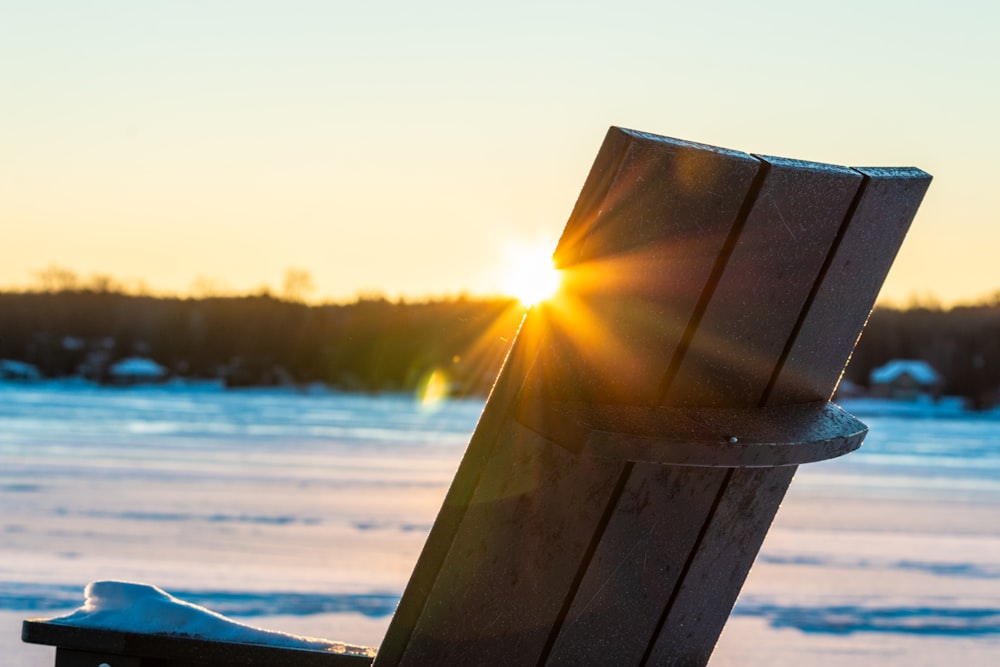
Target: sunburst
<point x="529" y="275"/>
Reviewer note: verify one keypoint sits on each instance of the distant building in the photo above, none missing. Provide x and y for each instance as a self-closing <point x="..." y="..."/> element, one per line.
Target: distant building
<point x="905" y="379"/>
<point x="18" y="370"/>
<point x="136" y="370"/>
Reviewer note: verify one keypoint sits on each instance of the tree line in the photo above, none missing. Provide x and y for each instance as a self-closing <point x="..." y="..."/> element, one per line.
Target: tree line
<point x="371" y="345"/>
<point x="961" y="343"/>
<point x="375" y="344"/>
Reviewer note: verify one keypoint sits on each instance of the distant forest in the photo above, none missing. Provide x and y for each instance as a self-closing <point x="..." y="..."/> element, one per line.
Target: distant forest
<point x="372" y="345"/>
<point x="961" y="343"/>
<point x="377" y="345"/>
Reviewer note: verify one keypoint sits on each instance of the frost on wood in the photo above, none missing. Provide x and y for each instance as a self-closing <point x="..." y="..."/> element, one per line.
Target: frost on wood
<point x="145" y="609"/>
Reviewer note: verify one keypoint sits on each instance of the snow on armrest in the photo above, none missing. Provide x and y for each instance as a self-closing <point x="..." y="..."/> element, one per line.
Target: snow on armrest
<point x="145" y="609"/>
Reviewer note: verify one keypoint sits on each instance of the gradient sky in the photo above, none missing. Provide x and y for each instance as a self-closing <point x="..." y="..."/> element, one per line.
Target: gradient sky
<point x="405" y="148"/>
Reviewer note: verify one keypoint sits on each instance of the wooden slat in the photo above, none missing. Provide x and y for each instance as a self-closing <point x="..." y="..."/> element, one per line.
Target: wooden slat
<point x="595" y="190"/>
<point x="851" y="282"/>
<point x="662" y="189"/>
<point x="594" y="622"/>
<point x="636" y="264"/>
<point x="618" y="604"/>
<point x="767" y="280"/>
<point x="515" y="555"/>
<point x="494" y="418"/>
<point x="748" y="315"/>
<point x="728" y="547"/>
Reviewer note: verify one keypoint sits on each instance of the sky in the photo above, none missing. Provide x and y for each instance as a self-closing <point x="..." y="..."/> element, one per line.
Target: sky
<point x="411" y="149"/>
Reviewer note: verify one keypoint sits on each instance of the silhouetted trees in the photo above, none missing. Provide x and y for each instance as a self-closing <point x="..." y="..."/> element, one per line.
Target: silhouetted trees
<point x="371" y="345"/>
<point x="379" y="345"/>
<point x="962" y="343"/>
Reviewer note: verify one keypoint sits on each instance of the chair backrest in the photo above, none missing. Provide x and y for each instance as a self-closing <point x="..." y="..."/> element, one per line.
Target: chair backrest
<point x="644" y="427"/>
<point x="631" y="458"/>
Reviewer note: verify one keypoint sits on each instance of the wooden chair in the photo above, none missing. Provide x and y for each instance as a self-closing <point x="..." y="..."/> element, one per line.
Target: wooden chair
<point x="645" y="425"/>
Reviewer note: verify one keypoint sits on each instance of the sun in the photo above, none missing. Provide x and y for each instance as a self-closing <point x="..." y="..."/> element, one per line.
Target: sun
<point x="530" y="276"/>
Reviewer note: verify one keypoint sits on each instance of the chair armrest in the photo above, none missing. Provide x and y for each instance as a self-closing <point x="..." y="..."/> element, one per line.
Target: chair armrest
<point x="92" y="647"/>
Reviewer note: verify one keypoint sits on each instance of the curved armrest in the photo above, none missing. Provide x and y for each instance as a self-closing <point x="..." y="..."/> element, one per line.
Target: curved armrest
<point x="712" y="437"/>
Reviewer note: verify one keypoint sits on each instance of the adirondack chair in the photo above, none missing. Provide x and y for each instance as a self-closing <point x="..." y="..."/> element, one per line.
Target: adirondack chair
<point x="645" y="425"/>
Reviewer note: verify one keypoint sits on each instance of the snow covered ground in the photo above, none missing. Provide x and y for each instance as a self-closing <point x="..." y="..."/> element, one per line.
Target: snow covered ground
<point x="304" y="513"/>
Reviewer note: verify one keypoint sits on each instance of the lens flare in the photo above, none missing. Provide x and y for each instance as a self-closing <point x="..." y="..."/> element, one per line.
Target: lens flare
<point x="433" y="389"/>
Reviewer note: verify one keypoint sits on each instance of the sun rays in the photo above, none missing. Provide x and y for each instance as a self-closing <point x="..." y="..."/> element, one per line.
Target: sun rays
<point x="529" y="274"/>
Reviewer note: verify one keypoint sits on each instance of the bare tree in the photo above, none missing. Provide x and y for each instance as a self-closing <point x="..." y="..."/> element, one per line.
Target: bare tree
<point x="54" y="278"/>
<point x="298" y="285"/>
